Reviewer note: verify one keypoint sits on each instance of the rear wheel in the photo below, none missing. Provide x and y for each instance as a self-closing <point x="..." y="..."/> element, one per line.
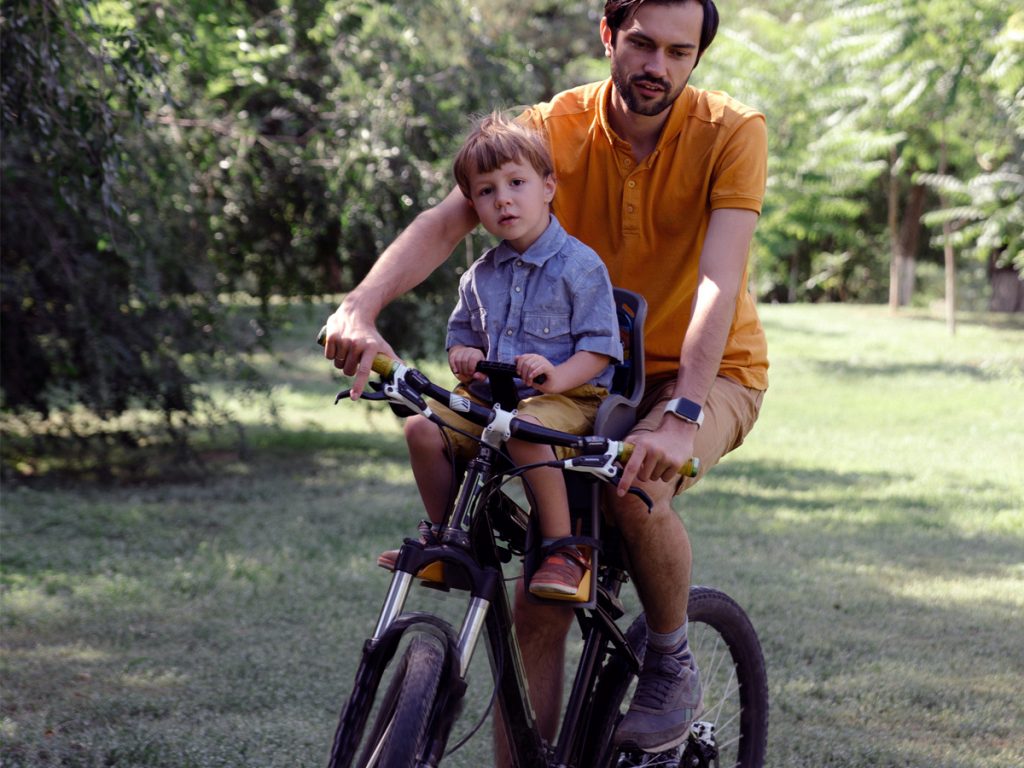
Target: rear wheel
<point x="399" y="732"/>
<point x="733" y="677"/>
<point x="732" y="673"/>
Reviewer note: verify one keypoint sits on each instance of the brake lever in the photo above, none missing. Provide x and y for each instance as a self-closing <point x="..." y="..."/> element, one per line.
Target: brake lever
<point x="375" y="395"/>
<point x="642" y="495"/>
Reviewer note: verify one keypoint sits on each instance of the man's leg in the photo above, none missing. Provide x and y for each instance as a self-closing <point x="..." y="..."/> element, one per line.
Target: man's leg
<point x="668" y="695"/>
<point x="541" y="631"/>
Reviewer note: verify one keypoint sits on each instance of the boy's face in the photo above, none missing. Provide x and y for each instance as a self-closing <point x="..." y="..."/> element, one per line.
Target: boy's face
<point x="512" y="202"/>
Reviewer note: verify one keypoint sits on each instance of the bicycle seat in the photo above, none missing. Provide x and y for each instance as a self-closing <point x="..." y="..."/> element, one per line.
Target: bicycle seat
<point x="617" y="413"/>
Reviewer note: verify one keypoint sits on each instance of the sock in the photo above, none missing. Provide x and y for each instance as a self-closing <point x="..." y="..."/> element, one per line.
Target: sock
<point x="674" y="643"/>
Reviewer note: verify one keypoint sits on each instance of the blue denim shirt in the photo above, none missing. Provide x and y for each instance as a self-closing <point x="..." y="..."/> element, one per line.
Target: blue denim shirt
<point x="554" y="300"/>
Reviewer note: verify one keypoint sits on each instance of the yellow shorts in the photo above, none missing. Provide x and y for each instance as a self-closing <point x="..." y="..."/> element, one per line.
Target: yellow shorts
<point x="729" y="415"/>
<point x="572" y="411"/>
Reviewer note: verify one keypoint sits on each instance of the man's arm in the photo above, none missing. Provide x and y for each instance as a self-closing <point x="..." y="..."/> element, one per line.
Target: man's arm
<point x="352" y="336"/>
<point x="722" y="263"/>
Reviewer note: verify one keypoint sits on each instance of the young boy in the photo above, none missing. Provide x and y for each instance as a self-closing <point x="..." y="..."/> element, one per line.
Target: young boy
<point x="541" y="300"/>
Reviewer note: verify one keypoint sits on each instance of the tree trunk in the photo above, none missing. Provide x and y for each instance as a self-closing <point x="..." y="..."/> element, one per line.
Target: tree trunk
<point x="947" y="247"/>
<point x="893" y="198"/>
<point x="1007" y="290"/>
<point x="910" y="238"/>
<point x="904" y="235"/>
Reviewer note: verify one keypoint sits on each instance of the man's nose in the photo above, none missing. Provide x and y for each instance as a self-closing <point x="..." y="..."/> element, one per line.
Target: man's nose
<point x="655" y="64"/>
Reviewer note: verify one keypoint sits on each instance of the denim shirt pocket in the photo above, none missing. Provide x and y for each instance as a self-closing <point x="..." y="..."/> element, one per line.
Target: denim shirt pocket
<point x="549" y="335"/>
<point x="478" y="320"/>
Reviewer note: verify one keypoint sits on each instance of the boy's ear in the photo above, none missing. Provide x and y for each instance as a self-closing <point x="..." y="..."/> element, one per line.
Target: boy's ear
<point x="549" y="187"/>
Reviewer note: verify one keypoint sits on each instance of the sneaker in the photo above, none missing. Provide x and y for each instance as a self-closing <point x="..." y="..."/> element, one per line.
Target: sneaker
<point x="668" y="699"/>
<point x="564" y="575"/>
<point x="433" y="572"/>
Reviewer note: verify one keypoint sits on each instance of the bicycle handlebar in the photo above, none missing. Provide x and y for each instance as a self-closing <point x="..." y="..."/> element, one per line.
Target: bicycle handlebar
<point x="589" y="445"/>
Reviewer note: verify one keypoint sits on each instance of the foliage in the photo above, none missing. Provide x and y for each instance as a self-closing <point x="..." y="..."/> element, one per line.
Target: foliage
<point x="158" y="157"/>
<point x="100" y="308"/>
<point x="864" y="101"/>
<point x="162" y="159"/>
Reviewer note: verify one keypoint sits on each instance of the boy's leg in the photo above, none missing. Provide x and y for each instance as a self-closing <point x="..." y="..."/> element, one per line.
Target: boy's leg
<point x="431" y="466"/>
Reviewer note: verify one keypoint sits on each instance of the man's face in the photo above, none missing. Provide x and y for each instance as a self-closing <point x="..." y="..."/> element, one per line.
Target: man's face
<point x="654" y="53"/>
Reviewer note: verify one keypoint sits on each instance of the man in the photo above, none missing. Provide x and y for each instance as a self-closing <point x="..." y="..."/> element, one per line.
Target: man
<point x="665" y="182"/>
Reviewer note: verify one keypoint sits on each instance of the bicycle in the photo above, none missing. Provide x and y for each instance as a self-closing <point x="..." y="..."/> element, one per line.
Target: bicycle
<point x="484" y="530"/>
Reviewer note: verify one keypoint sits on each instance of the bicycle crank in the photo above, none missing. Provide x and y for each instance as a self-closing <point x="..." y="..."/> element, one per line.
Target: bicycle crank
<point x="701" y="747"/>
<point x="699" y="751"/>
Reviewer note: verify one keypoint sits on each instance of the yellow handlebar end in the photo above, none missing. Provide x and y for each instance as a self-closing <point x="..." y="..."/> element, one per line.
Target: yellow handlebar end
<point x="383" y="365"/>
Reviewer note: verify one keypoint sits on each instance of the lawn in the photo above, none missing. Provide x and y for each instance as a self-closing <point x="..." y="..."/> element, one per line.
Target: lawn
<point x="873" y="526"/>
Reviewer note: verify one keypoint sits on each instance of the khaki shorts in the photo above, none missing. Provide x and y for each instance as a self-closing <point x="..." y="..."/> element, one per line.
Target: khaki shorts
<point x="572" y="411"/>
<point x="729" y="415"/>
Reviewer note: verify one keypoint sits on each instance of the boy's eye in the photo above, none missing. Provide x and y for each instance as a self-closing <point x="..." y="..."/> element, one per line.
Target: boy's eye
<point x="483" y="191"/>
<point x="517" y="182"/>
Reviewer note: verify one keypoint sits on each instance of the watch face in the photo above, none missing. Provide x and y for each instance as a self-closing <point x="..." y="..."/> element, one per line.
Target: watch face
<point x="687" y="409"/>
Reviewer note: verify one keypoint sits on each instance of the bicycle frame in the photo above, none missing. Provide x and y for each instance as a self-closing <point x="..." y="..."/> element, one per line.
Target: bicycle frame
<point x="489" y="607"/>
<point x="470" y="555"/>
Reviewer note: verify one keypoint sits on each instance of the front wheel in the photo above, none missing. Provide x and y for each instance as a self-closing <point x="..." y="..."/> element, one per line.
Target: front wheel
<point x="399" y="734"/>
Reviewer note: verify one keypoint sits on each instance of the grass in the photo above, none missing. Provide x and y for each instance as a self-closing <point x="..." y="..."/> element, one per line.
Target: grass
<point x="873" y="525"/>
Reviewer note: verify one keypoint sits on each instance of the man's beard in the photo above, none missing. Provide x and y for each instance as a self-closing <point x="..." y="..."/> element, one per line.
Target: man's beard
<point x="641" y="106"/>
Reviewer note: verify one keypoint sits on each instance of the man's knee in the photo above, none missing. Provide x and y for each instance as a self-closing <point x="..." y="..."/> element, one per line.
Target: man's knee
<point x="630" y="512"/>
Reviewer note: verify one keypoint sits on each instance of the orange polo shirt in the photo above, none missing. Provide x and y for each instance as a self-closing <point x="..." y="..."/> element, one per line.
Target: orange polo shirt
<point x="648" y="221"/>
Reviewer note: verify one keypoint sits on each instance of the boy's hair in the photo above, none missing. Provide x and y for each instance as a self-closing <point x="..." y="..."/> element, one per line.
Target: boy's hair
<point x="616" y="12"/>
<point x="496" y="140"/>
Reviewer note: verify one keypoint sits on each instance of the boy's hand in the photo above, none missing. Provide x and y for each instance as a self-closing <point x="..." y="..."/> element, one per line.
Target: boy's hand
<point x="463" y="360"/>
<point x="531" y="366"/>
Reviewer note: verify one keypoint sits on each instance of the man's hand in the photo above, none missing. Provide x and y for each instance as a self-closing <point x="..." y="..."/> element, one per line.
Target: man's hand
<point x="658" y="455"/>
<point x="352" y="342"/>
<point x="531" y="366"/>
<point x="462" y="360"/>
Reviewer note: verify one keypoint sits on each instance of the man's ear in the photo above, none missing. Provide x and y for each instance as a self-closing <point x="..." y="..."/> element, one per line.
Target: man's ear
<point x="606" y="37"/>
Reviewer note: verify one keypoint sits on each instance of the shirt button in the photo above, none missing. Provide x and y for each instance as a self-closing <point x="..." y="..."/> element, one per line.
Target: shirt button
<point x="518" y="289"/>
<point x="508" y="332"/>
<point x="630" y="208"/>
<point x="631" y="184"/>
<point x="546" y="330"/>
<point x="519" y="263"/>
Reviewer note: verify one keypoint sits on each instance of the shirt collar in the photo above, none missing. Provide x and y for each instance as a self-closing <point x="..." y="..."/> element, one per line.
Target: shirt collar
<point x="544" y="247"/>
<point x="678" y="113"/>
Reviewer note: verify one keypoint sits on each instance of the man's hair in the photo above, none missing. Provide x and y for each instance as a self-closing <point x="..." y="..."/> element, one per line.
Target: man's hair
<point x="496" y="140"/>
<point x="618" y="11"/>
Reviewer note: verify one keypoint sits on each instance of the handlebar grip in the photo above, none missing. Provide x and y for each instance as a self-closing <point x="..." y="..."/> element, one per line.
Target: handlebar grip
<point x="382" y="364"/>
<point x="689" y="469"/>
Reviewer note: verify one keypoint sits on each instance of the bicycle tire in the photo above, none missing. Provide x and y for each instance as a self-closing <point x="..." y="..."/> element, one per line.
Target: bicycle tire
<point x="721" y="632"/>
<point x="605" y="710"/>
<point x="398" y="735"/>
<point x="732" y="666"/>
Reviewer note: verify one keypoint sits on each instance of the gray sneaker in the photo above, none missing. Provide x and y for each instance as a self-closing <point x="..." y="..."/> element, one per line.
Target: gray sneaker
<point x="668" y="699"/>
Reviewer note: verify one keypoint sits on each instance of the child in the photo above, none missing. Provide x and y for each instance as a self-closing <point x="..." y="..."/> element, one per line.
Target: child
<point x="542" y="300"/>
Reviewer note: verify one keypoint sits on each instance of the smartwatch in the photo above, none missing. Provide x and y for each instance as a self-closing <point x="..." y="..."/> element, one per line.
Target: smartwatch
<point x="687" y="410"/>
